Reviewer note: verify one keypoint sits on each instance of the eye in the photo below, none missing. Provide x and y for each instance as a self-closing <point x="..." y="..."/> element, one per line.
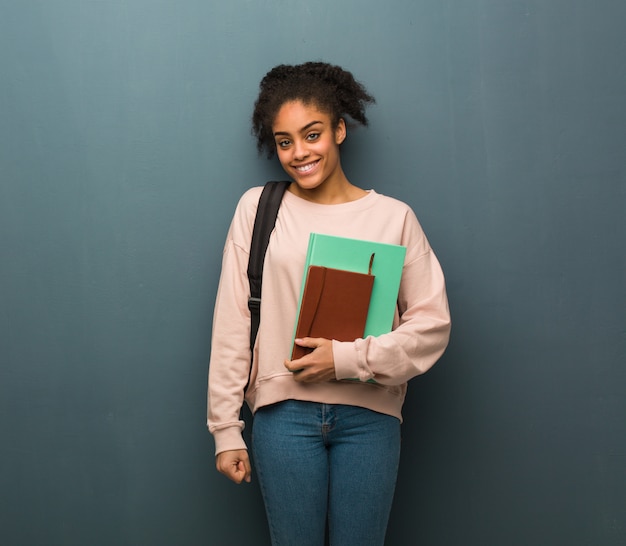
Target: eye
<point x="312" y="137"/>
<point x="283" y="143"/>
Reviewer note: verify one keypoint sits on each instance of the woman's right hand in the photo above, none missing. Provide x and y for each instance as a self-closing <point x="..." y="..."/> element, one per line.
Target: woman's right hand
<point x="235" y="465"/>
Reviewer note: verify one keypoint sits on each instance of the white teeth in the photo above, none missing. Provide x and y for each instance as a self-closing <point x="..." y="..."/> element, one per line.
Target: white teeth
<point x="306" y="168"/>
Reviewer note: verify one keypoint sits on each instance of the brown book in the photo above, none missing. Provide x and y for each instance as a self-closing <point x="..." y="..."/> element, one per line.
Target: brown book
<point x="335" y="303"/>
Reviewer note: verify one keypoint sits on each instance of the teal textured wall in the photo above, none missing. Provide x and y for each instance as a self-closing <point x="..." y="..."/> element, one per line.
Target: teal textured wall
<point x="124" y="146"/>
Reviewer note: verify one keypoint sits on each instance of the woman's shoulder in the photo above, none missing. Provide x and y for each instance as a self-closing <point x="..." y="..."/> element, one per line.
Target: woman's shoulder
<point x="401" y="214"/>
<point x="250" y="197"/>
<point x="392" y="205"/>
<point x="243" y="217"/>
<point x="248" y="203"/>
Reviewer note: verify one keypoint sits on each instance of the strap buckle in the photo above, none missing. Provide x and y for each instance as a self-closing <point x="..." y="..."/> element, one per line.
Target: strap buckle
<point x="254" y="304"/>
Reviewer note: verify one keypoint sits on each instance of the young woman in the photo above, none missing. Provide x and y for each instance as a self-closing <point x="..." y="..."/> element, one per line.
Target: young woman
<point x="326" y="449"/>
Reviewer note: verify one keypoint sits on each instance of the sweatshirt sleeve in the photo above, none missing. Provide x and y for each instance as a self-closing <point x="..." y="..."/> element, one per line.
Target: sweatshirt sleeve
<point x="229" y="365"/>
<point x="422" y="331"/>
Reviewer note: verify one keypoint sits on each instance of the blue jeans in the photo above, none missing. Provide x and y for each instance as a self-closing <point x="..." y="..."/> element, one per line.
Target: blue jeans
<point x="318" y="461"/>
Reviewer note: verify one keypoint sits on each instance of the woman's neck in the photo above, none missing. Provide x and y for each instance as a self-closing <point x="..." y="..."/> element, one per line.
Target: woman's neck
<point x="330" y="192"/>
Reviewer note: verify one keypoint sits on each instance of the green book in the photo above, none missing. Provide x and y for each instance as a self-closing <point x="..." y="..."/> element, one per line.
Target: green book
<point x="354" y="255"/>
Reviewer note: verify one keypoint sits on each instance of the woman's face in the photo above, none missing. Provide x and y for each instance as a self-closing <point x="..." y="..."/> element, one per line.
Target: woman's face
<point x="307" y="145"/>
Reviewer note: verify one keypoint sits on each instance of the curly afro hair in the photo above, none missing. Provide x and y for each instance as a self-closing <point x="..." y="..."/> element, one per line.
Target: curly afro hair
<point x="331" y="88"/>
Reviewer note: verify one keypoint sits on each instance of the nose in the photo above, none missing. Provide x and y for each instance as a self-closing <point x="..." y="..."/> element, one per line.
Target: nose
<point x="300" y="150"/>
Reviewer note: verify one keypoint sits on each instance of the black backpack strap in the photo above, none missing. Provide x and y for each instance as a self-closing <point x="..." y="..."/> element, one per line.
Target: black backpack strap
<point x="264" y="223"/>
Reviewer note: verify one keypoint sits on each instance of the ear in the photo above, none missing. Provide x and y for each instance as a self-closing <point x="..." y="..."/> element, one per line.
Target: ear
<point x="341" y="131"/>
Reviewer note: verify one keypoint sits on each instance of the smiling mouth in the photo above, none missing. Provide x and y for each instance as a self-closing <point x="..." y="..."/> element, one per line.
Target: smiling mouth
<point x="303" y="169"/>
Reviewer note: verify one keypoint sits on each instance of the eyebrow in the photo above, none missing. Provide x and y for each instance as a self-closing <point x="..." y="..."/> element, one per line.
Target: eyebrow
<point x="307" y="126"/>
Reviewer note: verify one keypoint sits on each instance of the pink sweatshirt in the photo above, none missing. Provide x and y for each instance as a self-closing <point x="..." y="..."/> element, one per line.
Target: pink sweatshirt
<point x="419" y="337"/>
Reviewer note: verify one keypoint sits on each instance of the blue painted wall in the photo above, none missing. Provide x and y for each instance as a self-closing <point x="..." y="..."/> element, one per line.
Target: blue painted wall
<point x="124" y="146"/>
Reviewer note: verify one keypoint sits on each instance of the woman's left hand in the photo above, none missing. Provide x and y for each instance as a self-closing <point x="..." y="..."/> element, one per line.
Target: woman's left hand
<point x="317" y="366"/>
